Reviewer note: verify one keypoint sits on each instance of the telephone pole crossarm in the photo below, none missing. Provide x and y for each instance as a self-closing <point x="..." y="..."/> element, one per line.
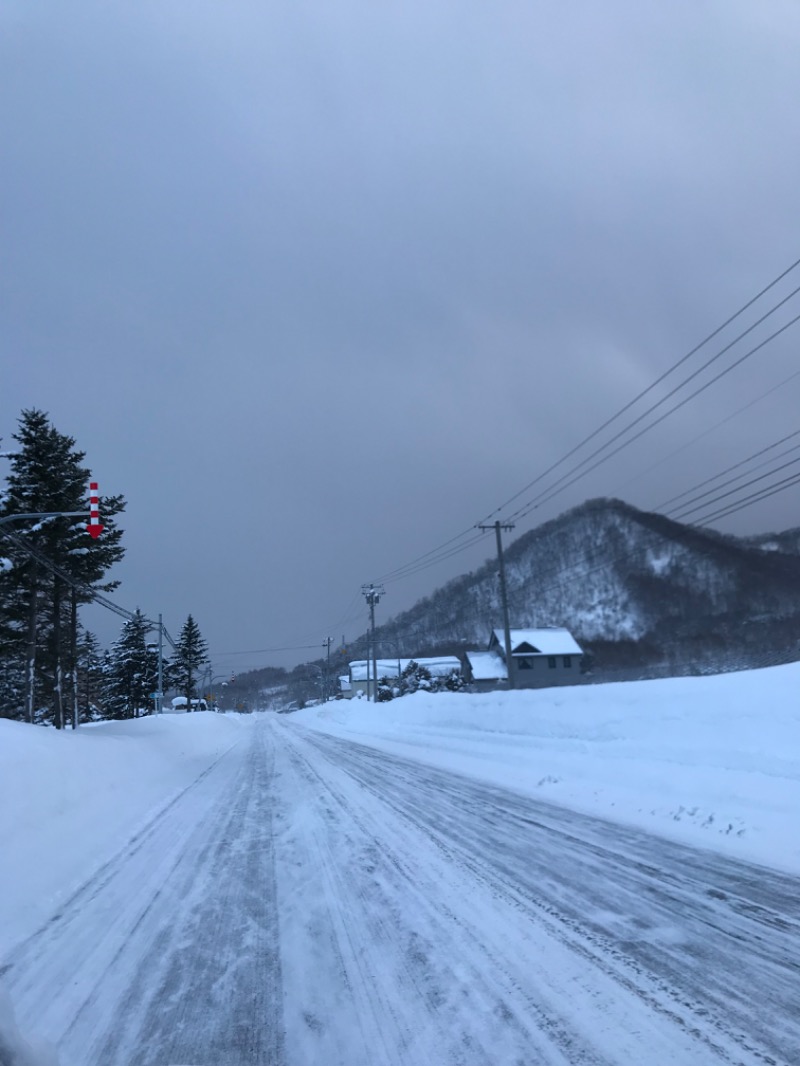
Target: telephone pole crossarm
<point x="43" y="514"/>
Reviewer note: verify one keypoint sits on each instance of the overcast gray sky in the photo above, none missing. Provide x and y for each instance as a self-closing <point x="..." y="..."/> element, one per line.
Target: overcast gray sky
<point x="318" y="286"/>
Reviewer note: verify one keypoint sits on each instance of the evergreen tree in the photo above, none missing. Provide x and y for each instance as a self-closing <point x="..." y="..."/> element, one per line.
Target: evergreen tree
<point x="90" y="678"/>
<point x="191" y="655"/>
<point x="414" y="678"/>
<point x="132" y="671"/>
<point x="39" y="605"/>
<point x="454" y="682"/>
<point x="386" y="690"/>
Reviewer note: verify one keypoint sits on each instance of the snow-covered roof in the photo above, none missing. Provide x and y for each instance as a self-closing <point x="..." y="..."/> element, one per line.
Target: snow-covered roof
<point x="440" y="666"/>
<point x="551" y="641"/>
<point x="344" y="683"/>
<point x="487" y="666"/>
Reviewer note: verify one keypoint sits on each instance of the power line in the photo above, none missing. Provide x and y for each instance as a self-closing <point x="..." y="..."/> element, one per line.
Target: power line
<point x="732" y="492"/>
<point x="658" y="381"/>
<point x="716" y="484"/>
<point x="712" y="429"/>
<point x="454" y="545"/>
<point x="435" y="561"/>
<point x="749" y="501"/>
<point x="398" y="572"/>
<point x="574" y="574"/>
<point x="558" y="487"/>
<point x="267" y="651"/>
<point x="80" y="586"/>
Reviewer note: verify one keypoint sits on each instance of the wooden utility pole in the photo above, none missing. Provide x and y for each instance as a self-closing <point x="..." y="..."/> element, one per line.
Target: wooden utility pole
<point x="373" y="595"/>
<point x="497" y="527"/>
<point x="327" y="644"/>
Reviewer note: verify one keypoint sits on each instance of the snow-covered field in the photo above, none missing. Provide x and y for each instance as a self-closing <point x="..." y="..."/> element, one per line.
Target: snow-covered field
<point x="167" y="882"/>
<point x="711" y="761"/>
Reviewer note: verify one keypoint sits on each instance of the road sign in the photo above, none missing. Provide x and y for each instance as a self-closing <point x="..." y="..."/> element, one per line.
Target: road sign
<point x="94" y="527"/>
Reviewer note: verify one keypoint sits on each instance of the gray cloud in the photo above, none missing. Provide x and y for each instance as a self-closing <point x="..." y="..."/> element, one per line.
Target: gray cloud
<point x="318" y="288"/>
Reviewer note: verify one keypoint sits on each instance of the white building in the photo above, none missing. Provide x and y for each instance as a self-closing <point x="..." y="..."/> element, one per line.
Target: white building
<point x="361" y="670"/>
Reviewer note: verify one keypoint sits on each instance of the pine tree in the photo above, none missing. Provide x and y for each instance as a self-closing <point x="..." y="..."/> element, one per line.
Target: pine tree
<point x="386" y="690"/>
<point x="415" y="677"/>
<point x="454" y="682"/>
<point x="191" y="655"/>
<point x="90" y="678"/>
<point x="132" y="671"/>
<point x="39" y="606"/>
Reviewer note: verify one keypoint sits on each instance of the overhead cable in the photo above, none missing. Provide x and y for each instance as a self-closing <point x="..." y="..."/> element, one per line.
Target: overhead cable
<point x="658" y="381"/>
<point x="685" y="512"/>
<point x="712" y="429"/>
<point x="558" y="488"/>
<point x="716" y="484"/>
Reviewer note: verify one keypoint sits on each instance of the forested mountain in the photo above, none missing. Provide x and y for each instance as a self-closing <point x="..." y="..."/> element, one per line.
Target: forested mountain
<point x="634" y="588"/>
<point x="644" y="595"/>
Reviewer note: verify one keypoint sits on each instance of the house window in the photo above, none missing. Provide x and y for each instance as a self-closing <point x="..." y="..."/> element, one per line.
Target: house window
<point x="551" y="661"/>
<point x="524" y="664"/>
<point x="567" y="661"/>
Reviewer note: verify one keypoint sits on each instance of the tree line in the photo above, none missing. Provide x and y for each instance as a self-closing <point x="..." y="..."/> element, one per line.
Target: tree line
<point x="52" y="670"/>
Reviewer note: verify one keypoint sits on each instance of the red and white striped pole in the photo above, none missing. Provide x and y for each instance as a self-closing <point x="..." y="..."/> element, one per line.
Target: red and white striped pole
<point x="94" y="527"/>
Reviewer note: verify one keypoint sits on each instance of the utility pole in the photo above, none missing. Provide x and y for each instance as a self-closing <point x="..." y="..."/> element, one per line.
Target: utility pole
<point x="372" y="594"/>
<point x="327" y="644"/>
<point x="160" y="689"/>
<point x="497" y="526"/>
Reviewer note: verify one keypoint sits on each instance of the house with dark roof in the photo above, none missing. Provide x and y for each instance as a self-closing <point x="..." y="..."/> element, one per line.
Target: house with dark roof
<point x="540" y="658"/>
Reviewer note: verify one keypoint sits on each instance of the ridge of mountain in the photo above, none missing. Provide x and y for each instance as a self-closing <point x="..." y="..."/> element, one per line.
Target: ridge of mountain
<point x="644" y="595"/>
<point x="615" y="575"/>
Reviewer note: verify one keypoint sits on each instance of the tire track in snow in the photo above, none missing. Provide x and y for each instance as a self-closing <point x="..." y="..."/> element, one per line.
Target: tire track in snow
<point x="175" y="952"/>
<point x="487" y="985"/>
<point x="692" y="934"/>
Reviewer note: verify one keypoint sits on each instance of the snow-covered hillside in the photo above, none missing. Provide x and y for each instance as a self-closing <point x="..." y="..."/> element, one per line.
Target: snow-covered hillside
<point x="611" y="573"/>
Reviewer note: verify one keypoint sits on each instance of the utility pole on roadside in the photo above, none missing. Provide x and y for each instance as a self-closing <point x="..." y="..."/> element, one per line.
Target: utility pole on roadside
<point x="372" y="594"/>
<point x="160" y="689"/>
<point x="327" y="644"/>
<point x="497" y="527"/>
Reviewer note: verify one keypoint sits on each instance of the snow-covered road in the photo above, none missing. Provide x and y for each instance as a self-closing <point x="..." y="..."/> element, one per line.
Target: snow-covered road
<point x="311" y="900"/>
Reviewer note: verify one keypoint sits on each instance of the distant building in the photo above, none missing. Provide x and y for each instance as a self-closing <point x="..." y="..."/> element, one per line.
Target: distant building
<point x="540" y="658"/>
<point x="440" y="666"/>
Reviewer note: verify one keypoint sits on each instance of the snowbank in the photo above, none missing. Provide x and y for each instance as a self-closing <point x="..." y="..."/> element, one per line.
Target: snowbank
<point x="69" y="800"/>
<point x="713" y="761"/>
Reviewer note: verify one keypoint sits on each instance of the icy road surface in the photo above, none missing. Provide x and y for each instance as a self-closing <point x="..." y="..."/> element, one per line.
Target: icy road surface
<point x="308" y="900"/>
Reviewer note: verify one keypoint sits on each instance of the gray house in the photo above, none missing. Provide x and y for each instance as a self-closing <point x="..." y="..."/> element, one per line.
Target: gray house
<point x="540" y="658"/>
